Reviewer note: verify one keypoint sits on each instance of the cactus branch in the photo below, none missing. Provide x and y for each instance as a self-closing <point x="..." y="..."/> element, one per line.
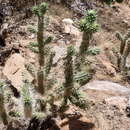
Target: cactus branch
<point x="125" y="55"/>
<point x="121" y="38"/>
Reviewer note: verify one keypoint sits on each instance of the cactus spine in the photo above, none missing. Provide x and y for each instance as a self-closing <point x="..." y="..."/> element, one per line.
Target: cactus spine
<point x="124" y="49"/>
<point x="88" y="26"/>
<point x="3" y="113"/>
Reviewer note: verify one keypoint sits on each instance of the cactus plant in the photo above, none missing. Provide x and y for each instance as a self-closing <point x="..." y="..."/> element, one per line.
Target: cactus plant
<point x="39" y="46"/>
<point x="41" y="74"/>
<point x="88" y="26"/>
<point x="40" y="12"/>
<point x="124" y="49"/>
<point x="68" y="85"/>
<point x="70" y="93"/>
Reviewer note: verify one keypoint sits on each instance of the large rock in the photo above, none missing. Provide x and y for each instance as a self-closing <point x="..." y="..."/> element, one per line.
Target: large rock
<point x="107" y="86"/>
<point x="14" y="68"/>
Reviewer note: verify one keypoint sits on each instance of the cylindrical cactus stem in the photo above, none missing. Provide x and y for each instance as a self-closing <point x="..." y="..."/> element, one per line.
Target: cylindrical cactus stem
<point x="41" y="81"/>
<point x="127" y="35"/>
<point x="121" y="38"/>
<point x="68" y="72"/>
<point x="27" y="102"/>
<point x="49" y="63"/>
<point x="40" y="74"/>
<point x="3" y="113"/>
<point x="40" y="11"/>
<point x="40" y="39"/>
<point x="85" y="42"/>
<point x="28" y="110"/>
<point x="88" y="26"/>
<point x="125" y="55"/>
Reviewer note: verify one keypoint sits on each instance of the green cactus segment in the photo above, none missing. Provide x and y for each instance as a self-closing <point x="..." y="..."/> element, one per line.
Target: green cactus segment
<point x="93" y="51"/>
<point x="69" y="67"/>
<point x="88" y="23"/>
<point x="27" y="101"/>
<point x="3" y="113"/>
<point x="68" y="72"/>
<point x="88" y="26"/>
<point x="82" y="78"/>
<point x="127" y="49"/>
<point x="26" y="93"/>
<point x="127" y="35"/>
<point x="34" y="44"/>
<point x="125" y="55"/>
<point x="121" y="38"/>
<point x="41" y="9"/>
<point x="49" y="63"/>
<point x="48" y="40"/>
<point x="32" y="29"/>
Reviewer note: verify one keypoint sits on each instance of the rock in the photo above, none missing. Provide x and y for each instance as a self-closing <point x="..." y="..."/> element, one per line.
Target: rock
<point x="69" y="28"/>
<point x="67" y="25"/>
<point x="32" y="36"/>
<point x="14" y="67"/>
<point x="80" y="6"/>
<point x="119" y="102"/>
<point x="59" y="53"/>
<point x="107" y="86"/>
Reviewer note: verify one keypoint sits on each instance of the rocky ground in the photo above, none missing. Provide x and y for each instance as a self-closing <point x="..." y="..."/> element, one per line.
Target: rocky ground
<point x="107" y="92"/>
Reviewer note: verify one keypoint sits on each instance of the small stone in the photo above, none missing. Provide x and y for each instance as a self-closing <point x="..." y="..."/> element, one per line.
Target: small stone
<point x="69" y="27"/>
